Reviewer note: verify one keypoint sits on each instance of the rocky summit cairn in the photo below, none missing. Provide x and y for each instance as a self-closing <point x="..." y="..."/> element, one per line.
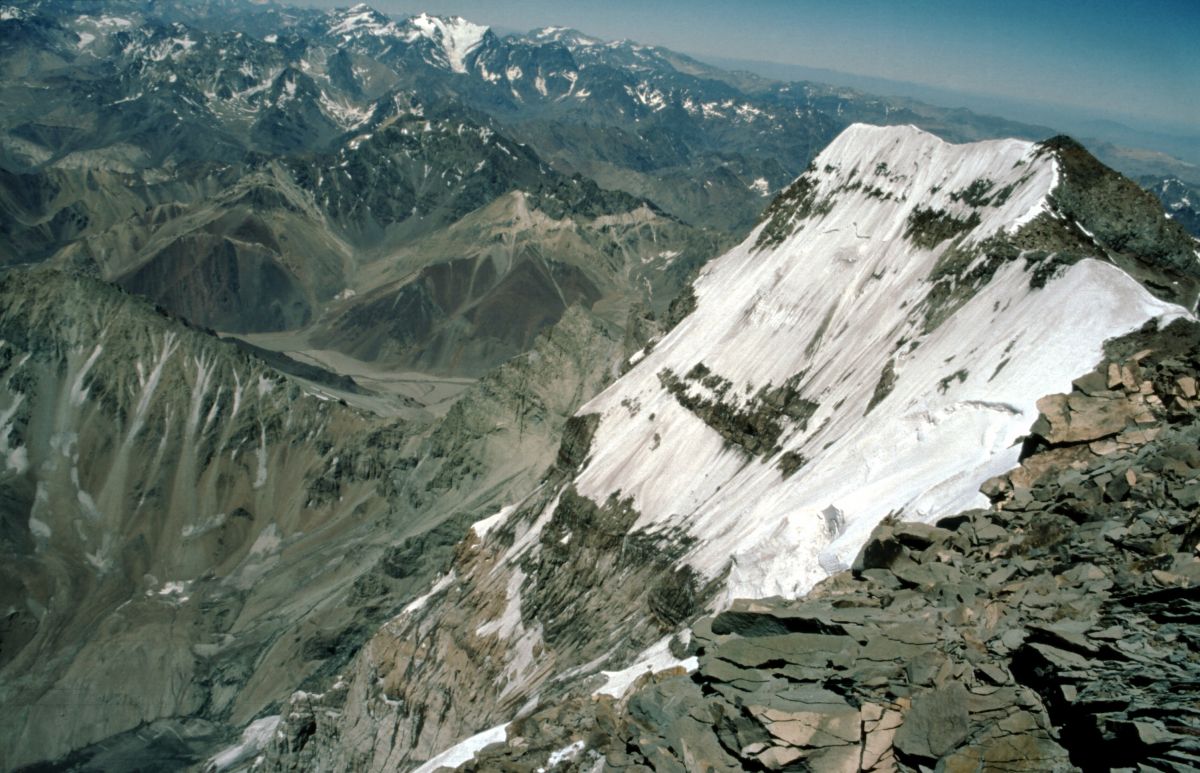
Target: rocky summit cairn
<point x="1056" y="631"/>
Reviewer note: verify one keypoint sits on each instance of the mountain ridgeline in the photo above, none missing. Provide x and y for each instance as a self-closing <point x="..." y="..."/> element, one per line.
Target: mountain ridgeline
<point x="384" y="393"/>
<point x="258" y="168"/>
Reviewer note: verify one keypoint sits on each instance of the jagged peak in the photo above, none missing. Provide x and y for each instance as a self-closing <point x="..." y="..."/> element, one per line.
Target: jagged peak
<point x="361" y="19"/>
<point x="457" y="36"/>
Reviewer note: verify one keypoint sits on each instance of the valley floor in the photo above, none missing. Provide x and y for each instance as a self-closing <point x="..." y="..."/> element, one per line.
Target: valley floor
<point x="388" y="392"/>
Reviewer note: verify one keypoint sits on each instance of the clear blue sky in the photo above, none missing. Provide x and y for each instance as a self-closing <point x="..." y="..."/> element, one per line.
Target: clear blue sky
<point x="1131" y="58"/>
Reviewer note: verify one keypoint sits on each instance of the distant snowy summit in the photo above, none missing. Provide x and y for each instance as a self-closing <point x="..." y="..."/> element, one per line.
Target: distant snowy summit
<point x="453" y="37"/>
<point x="457" y="36"/>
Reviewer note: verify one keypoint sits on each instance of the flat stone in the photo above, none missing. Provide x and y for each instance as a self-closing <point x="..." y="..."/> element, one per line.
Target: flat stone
<point x="1130" y="377"/>
<point x="886" y="649"/>
<point x="834" y="759"/>
<point x="795" y="647"/>
<point x="919" y="536"/>
<point x="721" y="670"/>
<point x="1112" y="633"/>
<point x="924" y="669"/>
<point x="992" y="673"/>
<point x="880" y="736"/>
<point x="1092" y="384"/>
<point x="1113" y="375"/>
<point x="937" y="723"/>
<point x="1105" y="447"/>
<point x="881" y="551"/>
<point x="1063" y="659"/>
<point x="1079" y="418"/>
<point x="831" y="726"/>
<point x="778" y="757"/>
<point x="989" y="532"/>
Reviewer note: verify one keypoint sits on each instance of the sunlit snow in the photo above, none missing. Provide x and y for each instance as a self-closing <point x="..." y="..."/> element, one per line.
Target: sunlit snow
<point x="839" y="300"/>
<point x="465" y="751"/>
<point x="457" y="36"/>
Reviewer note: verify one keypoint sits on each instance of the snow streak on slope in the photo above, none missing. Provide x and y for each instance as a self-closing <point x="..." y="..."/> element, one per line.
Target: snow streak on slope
<point x="457" y="36"/>
<point x="841" y="302"/>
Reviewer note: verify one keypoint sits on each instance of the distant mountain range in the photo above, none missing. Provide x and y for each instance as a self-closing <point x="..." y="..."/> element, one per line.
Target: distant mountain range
<point x="1091" y="127"/>
<point x="255" y="167"/>
<point x="300" y="311"/>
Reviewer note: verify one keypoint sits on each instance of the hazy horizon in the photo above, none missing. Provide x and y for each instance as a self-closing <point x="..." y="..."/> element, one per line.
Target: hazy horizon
<point x="1128" y="61"/>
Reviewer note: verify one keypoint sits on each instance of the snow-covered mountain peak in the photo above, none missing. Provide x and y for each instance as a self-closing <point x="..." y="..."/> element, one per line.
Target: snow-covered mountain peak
<point x="361" y="20"/>
<point x="882" y="351"/>
<point x="565" y="35"/>
<point x="456" y="36"/>
<point x="917" y="182"/>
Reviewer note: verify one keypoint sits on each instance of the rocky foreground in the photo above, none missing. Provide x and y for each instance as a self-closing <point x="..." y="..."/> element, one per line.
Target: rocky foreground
<point x="1058" y="630"/>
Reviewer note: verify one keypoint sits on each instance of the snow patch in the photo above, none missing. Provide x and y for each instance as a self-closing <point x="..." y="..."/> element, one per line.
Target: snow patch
<point x="16" y="457"/>
<point x="465" y="751"/>
<point x="255" y="738"/>
<point x="565" y="754"/>
<point x="116" y="22"/>
<point x="362" y="20"/>
<point x="207" y="525"/>
<point x="260" y="477"/>
<point x="78" y="392"/>
<point x="39" y="528"/>
<point x="87" y="505"/>
<point x="345" y="114"/>
<point x="482" y="527"/>
<point x="444" y="582"/>
<point x="175" y="590"/>
<point x="656" y="658"/>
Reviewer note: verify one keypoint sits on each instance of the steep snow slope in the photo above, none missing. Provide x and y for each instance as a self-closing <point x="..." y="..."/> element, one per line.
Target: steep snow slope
<point x="833" y="305"/>
<point x="876" y="345"/>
